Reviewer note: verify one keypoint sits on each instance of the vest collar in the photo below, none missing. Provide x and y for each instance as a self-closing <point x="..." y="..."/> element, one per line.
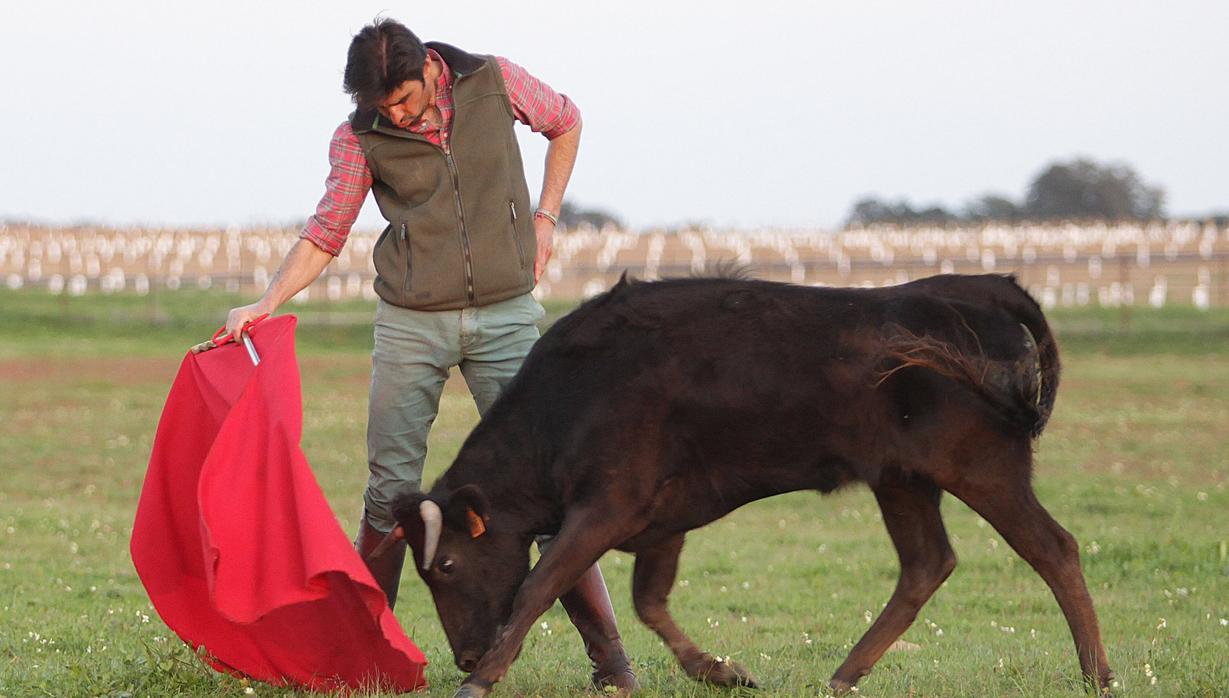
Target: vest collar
<point x="460" y="62"/>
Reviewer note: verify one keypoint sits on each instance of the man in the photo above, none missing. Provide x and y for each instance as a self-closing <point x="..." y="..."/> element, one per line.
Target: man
<point x="432" y="137"/>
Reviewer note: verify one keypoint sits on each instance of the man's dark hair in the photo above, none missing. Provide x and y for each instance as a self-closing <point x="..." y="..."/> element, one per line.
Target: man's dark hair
<point x="382" y="55"/>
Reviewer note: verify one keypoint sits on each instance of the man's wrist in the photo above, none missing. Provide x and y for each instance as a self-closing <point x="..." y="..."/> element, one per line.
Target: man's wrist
<point x="546" y="215"/>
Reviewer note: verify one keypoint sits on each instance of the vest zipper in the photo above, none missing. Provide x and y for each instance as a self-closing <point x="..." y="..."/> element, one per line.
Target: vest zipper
<point x="465" y="251"/>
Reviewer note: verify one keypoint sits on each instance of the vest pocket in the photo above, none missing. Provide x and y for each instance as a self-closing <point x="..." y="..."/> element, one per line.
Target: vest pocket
<point x="520" y="248"/>
<point x="409" y="264"/>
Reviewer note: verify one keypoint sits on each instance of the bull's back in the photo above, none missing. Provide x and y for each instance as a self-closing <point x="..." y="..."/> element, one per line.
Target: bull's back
<point x="733" y="390"/>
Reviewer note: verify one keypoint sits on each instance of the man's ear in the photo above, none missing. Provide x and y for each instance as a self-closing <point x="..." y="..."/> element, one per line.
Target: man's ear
<point x="468" y="510"/>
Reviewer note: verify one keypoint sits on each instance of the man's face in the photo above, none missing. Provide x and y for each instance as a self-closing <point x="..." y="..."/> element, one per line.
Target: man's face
<point x="409" y="101"/>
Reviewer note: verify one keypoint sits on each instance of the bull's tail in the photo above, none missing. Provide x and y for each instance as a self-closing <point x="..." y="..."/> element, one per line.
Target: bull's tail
<point x="1017" y="301"/>
<point x="1021" y="386"/>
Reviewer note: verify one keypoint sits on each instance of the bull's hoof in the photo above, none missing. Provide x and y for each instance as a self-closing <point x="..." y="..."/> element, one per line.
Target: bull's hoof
<point x="616" y="683"/>
<point x="1105" y="684"/>
<point x="722" y="672"/>
<point x="469" y="690"/>
<point x="839" y="687"/>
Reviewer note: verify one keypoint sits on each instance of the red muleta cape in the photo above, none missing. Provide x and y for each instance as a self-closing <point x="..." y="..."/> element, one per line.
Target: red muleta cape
<point x="236" y="545"/>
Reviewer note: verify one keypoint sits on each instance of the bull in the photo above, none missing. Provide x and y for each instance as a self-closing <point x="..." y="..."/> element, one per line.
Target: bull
<point x="659" y="407"/>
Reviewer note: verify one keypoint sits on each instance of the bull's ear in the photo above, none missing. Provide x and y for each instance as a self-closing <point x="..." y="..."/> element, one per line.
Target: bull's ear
<point x="468" y="509"/>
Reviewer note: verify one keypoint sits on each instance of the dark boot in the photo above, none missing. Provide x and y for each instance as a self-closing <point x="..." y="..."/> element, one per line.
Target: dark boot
<point x="387" y="567"/>
<point x="588" y="605"/>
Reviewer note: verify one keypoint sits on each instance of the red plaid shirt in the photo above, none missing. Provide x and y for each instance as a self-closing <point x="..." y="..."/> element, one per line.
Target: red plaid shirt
<point x="533" y="101"/>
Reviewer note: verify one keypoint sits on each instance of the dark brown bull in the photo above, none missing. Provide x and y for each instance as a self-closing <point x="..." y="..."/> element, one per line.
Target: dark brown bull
<point x="657" y="408"/>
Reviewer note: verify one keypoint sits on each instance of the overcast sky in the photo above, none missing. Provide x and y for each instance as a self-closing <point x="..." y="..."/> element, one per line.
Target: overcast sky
<point x="735" y="113"/>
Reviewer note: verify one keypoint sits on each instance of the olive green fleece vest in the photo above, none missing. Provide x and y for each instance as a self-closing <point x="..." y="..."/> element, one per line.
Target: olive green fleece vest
<point x="460" y="227"/>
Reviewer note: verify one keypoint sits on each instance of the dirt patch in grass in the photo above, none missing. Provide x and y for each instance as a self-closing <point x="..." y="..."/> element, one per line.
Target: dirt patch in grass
<point x="117" y="369"/>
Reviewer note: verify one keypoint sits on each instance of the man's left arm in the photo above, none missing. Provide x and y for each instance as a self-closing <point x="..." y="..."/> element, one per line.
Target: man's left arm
<point x="560" y="157"/>
<point x="555" y="116"/>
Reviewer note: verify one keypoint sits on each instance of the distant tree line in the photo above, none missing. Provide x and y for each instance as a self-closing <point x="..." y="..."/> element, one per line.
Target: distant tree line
<point x="1079" y="189"/>
<point x="572" y="216"/>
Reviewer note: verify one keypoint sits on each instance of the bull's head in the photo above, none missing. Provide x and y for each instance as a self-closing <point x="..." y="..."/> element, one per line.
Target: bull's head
<point x="472" y="567"/>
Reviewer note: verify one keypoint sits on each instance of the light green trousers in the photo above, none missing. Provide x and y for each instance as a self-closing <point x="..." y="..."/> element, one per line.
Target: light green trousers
<point x="414" y="351"/>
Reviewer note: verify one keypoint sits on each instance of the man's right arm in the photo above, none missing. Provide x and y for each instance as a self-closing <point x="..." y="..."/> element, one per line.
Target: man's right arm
<point x="303" y="263"/>
<point x="324" y="235"/>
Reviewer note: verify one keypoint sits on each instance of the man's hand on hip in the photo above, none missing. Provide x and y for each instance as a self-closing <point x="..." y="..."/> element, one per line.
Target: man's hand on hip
<point x="545" y="232"/>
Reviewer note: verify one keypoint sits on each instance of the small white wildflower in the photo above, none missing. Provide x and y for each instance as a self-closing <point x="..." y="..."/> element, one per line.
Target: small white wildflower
<point x="684" y="583"/>
<point x="1162" y="624"/>
<point x="939" y="632"/>
<point x="744" y="619"/>
<point x="1202" y="496"/>
<point x="1224" y="621"/>
<point x="249" y="691"/>
<point x="746" y="585"/>
<point x="545" y="625"/>
<point x="868" y="616"/>
<point x="723" y="589"/>
<point x="1093" y="548"/>
<point x="1152" y="681"/>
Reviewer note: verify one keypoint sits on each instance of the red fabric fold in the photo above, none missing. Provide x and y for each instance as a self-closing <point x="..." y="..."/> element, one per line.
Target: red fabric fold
<point x="236" y="544"/>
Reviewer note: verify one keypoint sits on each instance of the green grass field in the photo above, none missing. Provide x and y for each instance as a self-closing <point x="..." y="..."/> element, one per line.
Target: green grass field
<point x="1135" y="463"/>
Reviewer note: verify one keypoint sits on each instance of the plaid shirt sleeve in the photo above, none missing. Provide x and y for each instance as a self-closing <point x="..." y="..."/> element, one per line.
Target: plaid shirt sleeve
<point x="535" y="104"/>
<point x="345" y="190"/>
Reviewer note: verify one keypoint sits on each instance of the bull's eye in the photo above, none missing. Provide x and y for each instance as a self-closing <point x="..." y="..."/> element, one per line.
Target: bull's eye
<point x="446" y="565"/>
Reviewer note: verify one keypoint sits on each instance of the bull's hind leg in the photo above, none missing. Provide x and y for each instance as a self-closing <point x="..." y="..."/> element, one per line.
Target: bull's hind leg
<point x="1011" y="506"/>
<point x="910" y="508"/>
<point x="652" y="581"/>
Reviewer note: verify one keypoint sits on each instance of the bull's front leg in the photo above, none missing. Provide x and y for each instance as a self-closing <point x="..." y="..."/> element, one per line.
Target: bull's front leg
<point x="573" y="551"/>
<point x="652" y="581"/>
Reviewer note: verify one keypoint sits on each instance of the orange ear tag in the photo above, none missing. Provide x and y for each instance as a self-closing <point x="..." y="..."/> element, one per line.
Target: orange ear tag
<point x="477" y="526"/>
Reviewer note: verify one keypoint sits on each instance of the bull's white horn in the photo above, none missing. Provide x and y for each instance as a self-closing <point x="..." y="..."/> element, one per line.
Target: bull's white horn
<point x="432" y="524"/>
